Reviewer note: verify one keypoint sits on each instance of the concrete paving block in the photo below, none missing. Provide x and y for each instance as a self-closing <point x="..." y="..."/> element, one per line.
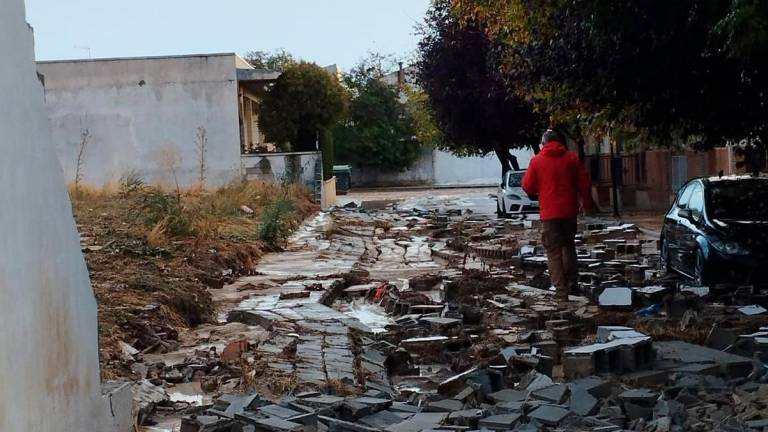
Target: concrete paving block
<point x="555" y="394"/>
<point x="577" y="366"/>
<point x="760" y="424"/>
<point x="644" y="396"/>
<point x="501" y="422"/>
<point x="272" y="424"/>
<point x="682" y="353"/>
<point x="306" y="419"/>
<point x="618" y="297"/>
<point x="262" y="318"/>
<point x="445" y="405"/>
<point x="646" y="378"/>
<point x="583" y="403"/>
<point x="604" y="332"/>
<point x="508" y="395"/>
<point x="341" y="425"/>
<point x="419" y="422"/>
<point x="538" y="382"/>
<point x="549" y="415"/>
<point x="377" y="404"/>
<point x="278" y="411"/>
<point x="635" y="411"/>
<point x="233" y="404"/>
<point x="323" y="401"/>
<point x="465" y="394"/>
<point x="382" y="419"/>
<point x="596" y="386"/>
<point x="351" y="410"/>
<point x="404" y="407"/>
<point x="468" y="417"/>
<point x="206" y="424"/>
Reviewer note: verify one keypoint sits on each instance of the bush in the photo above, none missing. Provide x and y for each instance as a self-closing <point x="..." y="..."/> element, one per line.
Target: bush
<point x="130" y="183"/>
<point x="164" y="212"/>
<point x="276" y="223"/>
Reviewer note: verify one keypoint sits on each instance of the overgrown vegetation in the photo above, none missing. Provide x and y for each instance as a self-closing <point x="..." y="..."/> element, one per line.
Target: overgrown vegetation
<point x="275" y="223"/>
<point x="380" y="129"/>
<point x="277" y="60"/>
<point x="153" y="253"/>
<point x="656" y="71"/>
<point x="305" y="101"/>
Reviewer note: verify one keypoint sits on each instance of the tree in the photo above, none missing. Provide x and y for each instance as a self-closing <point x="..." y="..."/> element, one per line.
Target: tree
<point x="687" y="70"/>
<point x="304" y="102"/>
<point x="379" y="130"/>
<point x="277" y="60"/>
<point x="425" y="126"/>
<point x="459" y="69"/>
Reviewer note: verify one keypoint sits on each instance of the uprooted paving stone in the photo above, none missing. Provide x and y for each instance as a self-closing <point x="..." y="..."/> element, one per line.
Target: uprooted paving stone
<point x="412" y="319"/>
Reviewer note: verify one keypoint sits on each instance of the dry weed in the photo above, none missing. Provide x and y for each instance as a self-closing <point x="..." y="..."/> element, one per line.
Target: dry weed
<point x="340" y="388"/>
<point x="157" y="236"/>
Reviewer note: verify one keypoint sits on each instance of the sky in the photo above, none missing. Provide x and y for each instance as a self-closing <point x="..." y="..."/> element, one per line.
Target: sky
<point x="323" y="31"/>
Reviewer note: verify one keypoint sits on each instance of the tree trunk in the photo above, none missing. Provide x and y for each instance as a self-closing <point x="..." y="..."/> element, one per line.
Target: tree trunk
<point x="581" y="145"/>
<point x="502" y="152"/>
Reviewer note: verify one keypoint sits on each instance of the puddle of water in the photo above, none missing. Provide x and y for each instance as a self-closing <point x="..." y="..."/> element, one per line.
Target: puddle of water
<point x="372" y="315"/>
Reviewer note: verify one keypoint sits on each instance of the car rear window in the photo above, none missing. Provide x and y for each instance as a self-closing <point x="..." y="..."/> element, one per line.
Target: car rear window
<point x="745" y="200"/>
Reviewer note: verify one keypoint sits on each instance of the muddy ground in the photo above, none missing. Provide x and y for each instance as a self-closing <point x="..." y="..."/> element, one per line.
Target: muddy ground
<point x="428" y="313"/>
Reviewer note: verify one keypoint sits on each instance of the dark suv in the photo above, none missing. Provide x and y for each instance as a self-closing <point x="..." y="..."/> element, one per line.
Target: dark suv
<point x="717" y="231"/>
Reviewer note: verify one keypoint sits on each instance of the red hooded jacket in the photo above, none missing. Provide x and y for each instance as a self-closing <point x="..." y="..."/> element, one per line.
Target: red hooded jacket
<point x="559" y="179"/>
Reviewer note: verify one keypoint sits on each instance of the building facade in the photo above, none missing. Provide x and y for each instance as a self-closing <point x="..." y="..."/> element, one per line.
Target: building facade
<point x="160" y="117"/>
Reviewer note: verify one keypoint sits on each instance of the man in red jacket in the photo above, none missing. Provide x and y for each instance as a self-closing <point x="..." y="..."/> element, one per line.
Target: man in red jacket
<point x="559" y="179"/>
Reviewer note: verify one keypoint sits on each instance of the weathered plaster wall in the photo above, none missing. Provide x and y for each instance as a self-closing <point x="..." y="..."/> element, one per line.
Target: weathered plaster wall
<point x="279" y="167"/>
<point x="143" y="115"/>
<point x="49" y="364"/>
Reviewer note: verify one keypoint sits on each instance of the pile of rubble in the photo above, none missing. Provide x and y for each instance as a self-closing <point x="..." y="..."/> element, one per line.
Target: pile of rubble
<point x="419" y="320"/>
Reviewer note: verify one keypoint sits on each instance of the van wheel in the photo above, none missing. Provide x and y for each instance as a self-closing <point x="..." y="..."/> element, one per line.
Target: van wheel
<point x="499" y="212"/>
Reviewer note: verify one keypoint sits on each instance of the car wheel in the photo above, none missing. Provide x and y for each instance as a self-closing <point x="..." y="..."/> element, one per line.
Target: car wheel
<point x="664" y="257"/>
<point x="700" y="269"/>
<point x="502" y="209"/>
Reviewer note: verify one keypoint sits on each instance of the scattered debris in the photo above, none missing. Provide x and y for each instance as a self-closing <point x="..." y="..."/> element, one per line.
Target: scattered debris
<point x="416" y="319"/>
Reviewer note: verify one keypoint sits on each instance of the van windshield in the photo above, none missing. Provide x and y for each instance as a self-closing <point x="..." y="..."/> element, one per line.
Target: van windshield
<point x="515" y="179"/>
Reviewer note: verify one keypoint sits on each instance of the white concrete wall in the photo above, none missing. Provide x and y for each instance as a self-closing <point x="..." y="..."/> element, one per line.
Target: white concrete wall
<point x="439" y="168"/>
<point x="451" y="170"/>
<point x="49" y="361"/>
<point x="143" y="115"/>
<point x="272" y="167"/>
<point x="420" y="173"/>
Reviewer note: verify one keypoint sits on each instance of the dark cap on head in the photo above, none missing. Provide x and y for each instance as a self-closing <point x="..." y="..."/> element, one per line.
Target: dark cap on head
<point x="551" y="135"/>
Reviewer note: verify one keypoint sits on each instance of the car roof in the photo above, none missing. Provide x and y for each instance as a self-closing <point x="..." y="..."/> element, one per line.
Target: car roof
<point x="734" y="178"/>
